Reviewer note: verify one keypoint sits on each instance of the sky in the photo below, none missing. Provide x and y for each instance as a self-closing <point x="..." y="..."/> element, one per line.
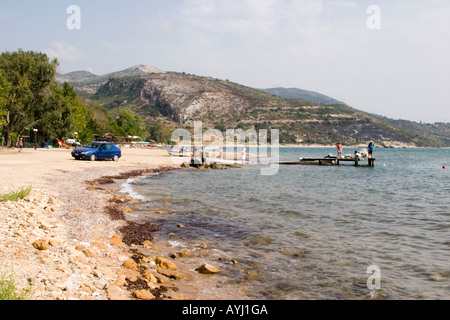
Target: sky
<point x="389" y="58"/>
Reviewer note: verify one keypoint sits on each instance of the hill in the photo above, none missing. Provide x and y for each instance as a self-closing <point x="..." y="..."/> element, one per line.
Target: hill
<point x="179" y="99"/>
<point x="295" y="93"/>
<point x="86" y="83"/>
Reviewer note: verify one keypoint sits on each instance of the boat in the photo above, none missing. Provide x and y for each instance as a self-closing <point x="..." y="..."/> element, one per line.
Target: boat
<point x="181" y="151"/>
<point x="188" y="151"/>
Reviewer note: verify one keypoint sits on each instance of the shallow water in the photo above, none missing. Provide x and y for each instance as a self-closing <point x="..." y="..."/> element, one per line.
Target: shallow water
<point x="311" y="232"/>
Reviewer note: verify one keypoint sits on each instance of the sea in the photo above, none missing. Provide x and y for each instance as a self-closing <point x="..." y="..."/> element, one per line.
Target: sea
<point x="315" y="232"/>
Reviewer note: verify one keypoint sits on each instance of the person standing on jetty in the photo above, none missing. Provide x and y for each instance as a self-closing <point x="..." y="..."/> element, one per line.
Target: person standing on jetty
<point x="370" y="148"/>
<point x="203" y="156"/>
<point x="244" y="155"/>
<point x="194" y="156"/>
<point x="339" y="150"/>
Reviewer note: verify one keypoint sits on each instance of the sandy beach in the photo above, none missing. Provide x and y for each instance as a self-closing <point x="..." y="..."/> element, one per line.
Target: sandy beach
<point x="70" y="239"/>
<point x="43" y="168"/>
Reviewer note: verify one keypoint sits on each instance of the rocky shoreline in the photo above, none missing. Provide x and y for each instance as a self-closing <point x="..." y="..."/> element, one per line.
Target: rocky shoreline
<point x="60" y="247"/>
<point x="36" y="250"/>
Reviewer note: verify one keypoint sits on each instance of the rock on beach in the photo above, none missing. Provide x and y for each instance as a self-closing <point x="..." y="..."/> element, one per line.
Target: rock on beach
<point x="165" y="263"/>
<point x="207" y="269"/>
<point x="143" y="294"/>
<point x="41" y="244"/>
<point x="34" y="243"/>
<point x="40" y="234"/>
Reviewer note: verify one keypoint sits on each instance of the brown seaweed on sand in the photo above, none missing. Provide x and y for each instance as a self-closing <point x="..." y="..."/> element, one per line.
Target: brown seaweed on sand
<point x="141" y="284"/>
<point x="115" y="210"/>
<point x="135" y="233"/>
<point x="139" y="172"/>
<point x="126" y="175"/>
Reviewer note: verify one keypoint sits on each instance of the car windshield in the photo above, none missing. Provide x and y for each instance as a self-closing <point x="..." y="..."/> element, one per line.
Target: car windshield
<point x="93" y="145"/>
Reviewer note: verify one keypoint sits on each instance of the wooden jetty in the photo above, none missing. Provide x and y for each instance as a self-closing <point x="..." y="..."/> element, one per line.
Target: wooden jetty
<point x="330" y="161"/>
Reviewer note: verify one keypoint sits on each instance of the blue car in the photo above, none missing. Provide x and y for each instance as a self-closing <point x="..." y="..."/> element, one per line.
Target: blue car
<point x="97" y="150"/>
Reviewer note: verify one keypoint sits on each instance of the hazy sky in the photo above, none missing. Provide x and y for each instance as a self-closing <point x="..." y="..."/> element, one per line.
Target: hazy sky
<point x="392" y="62"/>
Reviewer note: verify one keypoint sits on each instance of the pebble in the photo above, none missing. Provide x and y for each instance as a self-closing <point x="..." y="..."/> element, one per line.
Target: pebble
<point x="143" y="295"/>
<point x="165" y="264"/>
<point x="207" y="269"/>
<point x="34" y="242"/>
<point x="50" y="265"/>
<point x="130" y="264"/>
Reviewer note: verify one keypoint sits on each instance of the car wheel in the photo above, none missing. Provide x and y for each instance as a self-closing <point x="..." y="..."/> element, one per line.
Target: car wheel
<point x="93" y="157"/>
<point x="77" y="158"/>
<point x="116" y="158"/>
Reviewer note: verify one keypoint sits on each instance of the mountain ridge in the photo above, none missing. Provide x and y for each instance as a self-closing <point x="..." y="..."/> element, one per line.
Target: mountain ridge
<point x="87" y="83"/>
<point x="296" y="93"/>
<point x="179" y="99"/>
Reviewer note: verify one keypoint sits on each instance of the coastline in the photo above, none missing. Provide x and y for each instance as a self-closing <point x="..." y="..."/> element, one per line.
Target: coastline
<point x="70" y="240"/>
<point x="74" y="237"/>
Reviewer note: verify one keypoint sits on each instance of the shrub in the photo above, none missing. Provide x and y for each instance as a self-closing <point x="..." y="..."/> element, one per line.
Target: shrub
<point x="9" y="291"/>
<point x="15" y="195"/>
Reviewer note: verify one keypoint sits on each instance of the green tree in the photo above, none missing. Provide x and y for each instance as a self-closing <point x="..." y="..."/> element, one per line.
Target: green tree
<point x="159" y="131"/>
<point x="78" y="111"/>
<point x="111" y="126"/>
<point x="31" y="75"/>
<point x="91" y="128"/>
<point x="5" y="90"/>
<point x="55" y="118"/>
<point x="130" y="124"/>
<point x="98" y="122"/>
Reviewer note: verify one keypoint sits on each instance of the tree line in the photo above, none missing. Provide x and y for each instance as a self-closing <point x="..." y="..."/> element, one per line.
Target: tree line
<point x="30" y="99"/>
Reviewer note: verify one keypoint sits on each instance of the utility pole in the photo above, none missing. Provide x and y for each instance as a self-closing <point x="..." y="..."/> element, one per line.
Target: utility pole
<point x="8" y="137"/>
<point x="35" y="138"/>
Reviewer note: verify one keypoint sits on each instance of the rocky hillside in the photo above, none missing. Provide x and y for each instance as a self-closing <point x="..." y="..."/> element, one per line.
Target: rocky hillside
<point x="182" y="98"/>
<point x="87" y="83"/>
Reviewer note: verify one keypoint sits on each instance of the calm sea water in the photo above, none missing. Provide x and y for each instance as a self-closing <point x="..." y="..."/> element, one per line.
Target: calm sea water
<point x="311" y="232"/>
